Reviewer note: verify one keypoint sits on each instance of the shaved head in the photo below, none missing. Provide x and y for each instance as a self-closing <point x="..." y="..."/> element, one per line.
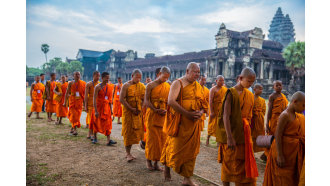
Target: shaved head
<point x="165" y="70"/>
<point x="258" y="85"/>
<point x="136" y="71"/>
<point x="247" y="72"/>
<point x="277" y="81"/>
<point x="298" y="96"/>
<point x="220" y="76"/>
<point x="192" y="65"/>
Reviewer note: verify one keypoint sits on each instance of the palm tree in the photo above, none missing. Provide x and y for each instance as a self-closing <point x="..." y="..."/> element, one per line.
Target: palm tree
<point x="45" y="49"/>
<point x="294" y="55"/>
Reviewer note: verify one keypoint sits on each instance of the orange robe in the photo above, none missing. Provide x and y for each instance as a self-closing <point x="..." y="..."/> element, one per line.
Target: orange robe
<point x="155" y="137"/>
<point x="258" y="121"/>
<point x="206" y="96"/>
<point x="233" y="167"/>
<point x="132" y="125"/>
<point x="90" y="106"/>
<point x="180" y="152"/>
<point x="117" y="109"/>
<point x="217" y="104"/>
<point x="103" y="123"/>
<point x="279" y="105"/>
<point x="37" y="100"/>
<point x="62" y="111"/>
<point x="51" y="104"/>
<point x="293" y="144"/>
<point x="302" y="175"/>
<point x="76" y="99"/>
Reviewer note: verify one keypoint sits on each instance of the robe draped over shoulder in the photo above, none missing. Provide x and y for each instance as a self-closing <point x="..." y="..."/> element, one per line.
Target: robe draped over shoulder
<point x="37" y="100"/>
<point x="217" y="104"/>
<point x="258" y="121"/>
<point x="61" y="111"/>
<point x="51" y="104"/>
<point x="117" y="108"/>
<point x="76" y="99"/>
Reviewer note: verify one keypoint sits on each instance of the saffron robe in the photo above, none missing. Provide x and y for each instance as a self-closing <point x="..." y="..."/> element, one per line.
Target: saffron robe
<point x="279" y="105"/>
<point x="206" y="96"/>
<point x="117" y="109"/>
<point x="51" y="104"/>
<point x="293" y="147"/>
<point x="37" y="100"/>
<point x="180" y="152"/>
<point x="217" y="104"/>
<point x="61" y="111"/>
<point x="155" y="137"/>
<point x="76" y="99"/>
<point x="90" y="106"/>
<point x="132" y="125"/>
<point x="258" y="121"/>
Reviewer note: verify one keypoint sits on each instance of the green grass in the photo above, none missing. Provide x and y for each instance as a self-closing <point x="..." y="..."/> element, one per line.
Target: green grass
<point x="41" y="176"/>
<point x="28" y="91"/>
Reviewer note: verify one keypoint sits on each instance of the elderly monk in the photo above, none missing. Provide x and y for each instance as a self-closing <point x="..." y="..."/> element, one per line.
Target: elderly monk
<point x="156" y="101"/>
<point x="217" y="94"/>
<point x="131" y="96"/>
<point x="37" y="89"/>
<point x="75" y="93"/>
<point x="234" y="133"/>
<point x="276" y="105"/>
<point x="180" y="152"/>
<point x="117" y="109"/>
<point x="102" y="107"/>
<point x="287" y="153"/>
<point x="50" y="102"/>
<point x="88" y="107"/>
<point x="258" y="116"/>
<point x="60" y="90"/>
<point x="202" y="82"/>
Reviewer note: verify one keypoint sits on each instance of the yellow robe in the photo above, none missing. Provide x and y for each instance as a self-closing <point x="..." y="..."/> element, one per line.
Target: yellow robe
<point x="206" y="96"/>
<point x="155" y="137"/>
<point x="279" y="105"/>
<point x="90" y="103"/>
<point x="180" y="152"/>
<point x="132" y="125"/>
<point x="76" y="99"/>
<point x="37" y="100"/>
<point x="51" y="104"/>
<point x="217" y="104"/>
<point x="258" y="121"/>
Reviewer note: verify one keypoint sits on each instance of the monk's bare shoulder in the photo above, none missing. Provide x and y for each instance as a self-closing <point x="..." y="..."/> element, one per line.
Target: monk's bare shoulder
<point x="272" y="97"/>
<point x="152" y="85"/>
<point x="126" y="85"/>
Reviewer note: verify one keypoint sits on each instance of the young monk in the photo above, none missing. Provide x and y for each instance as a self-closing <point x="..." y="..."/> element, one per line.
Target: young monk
<point x="287" y="153"/>
<point x="102" y="107"/>
<point x="37" y="89"/>
<point x="60" y="90"/>
<point x="75" y="93"/>
<point x="88" y="107"/>
<point x="276" y="105"/>
<point x="117" y="109"/>
<point x="258" y="116"/>
<point x="156" y="101"/>
<point x="131" y="96"/>
<point x="217" y="94"/>
<point x="234" y="133"/>
<point x="202" y="82"/>
<point x="50" y="102"/>
<point x="180" y="152"/>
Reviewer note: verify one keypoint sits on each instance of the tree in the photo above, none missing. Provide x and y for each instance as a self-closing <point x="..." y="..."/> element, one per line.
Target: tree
<point x="45" y="49"/>
<point x="294" y="55"/>
<point x="31" y="71"/>
<point x="63" y="68"/>
<point x="50" y="67"/>
<point x="76" y="66"/>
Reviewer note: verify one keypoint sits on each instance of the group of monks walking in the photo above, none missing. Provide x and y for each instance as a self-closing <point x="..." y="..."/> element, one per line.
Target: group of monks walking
<point x="169" y="117"/>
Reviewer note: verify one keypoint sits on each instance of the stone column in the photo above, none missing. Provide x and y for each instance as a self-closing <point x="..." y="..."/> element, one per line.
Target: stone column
<point x="261" y="69"/>
<point x="270" y="80"/>
<point x="232" y="70"/>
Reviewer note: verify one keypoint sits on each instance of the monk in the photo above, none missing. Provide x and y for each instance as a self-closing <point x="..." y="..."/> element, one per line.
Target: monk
<point x="148" y="80"/>
<point x="156" y="101"/>
<point x="180" y="152"/>
<point x="60" y="90"/>
<point x="88" y="107"/>
<point x="217" y="95"/>
<point x="75" y="93"/>
<point x="50" y="102"/>
<point x="202" y="82"/>
<point x="102" y="108"/>
<point x="234" y="133"/>
<point x="287" y="153"/>
<point x="276" y="105"/>
<point x="131" y="96"/>
<point x="258" y="116"/>
<point x="37" y="89"/>
<point x="117" y="109"/>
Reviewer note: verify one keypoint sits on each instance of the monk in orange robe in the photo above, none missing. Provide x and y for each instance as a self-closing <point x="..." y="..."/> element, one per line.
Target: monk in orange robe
<point x="202" y="82"/>
<point x="287" y="153"/>
<point x="50" y="102"/>
<point x="76" y="94"/>
<point x="131" y="96"/>
<point x="37" y="89"/>
<point x="88" y="107"/>
<point x="60" y="90"/>
<point x="276" y="105"/>
<point x="117" y="109"/>
<point x="258" y="116"/>
<point x="180" y="152"/>
<point x="234" y="133"/>
<point x="102" y="109"/>
<point x="156" y="101"/>
<point x="217" y="94"/>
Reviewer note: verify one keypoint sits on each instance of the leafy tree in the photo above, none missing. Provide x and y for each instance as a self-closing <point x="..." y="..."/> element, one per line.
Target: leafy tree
<point x="45" y="49"/>
<point x="294" y="55"/>
<point x="51" y="65"/>
<point x="31" y="71"/>
<point x="76" y="66"/>
<point x="63" y="68"/>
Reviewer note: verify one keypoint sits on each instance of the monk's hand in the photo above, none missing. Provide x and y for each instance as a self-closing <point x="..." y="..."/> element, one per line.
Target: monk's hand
<point x="280" y="161"/>
<point x="195" y="115"/>
<point x="267" y="129"/>
<point x="231" y="143"/>
<point x="212" y="115"/>
<point x="96" y="114"/>
<point x="135" y="111"/>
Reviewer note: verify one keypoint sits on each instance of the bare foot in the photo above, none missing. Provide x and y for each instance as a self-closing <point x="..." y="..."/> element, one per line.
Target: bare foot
<point x="157" y="168"/>
<point x="207" y="143"/>
<point x="39" y="118"/>
<point x="56" y="123"/>
<point x="167" y="174"/>
<point x="188" y="181"/>
<point x="129" y="158"/>
<point x="149" y="166"/>
<point x="49" y="120"/>
<point x="30" y="114"/>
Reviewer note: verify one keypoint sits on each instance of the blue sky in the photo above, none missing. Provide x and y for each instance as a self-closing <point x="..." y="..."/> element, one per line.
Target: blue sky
<point x="161" y="27"/>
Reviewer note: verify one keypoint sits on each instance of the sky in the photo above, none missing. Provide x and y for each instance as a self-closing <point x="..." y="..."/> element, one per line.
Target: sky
<point x="163" y="27"/>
